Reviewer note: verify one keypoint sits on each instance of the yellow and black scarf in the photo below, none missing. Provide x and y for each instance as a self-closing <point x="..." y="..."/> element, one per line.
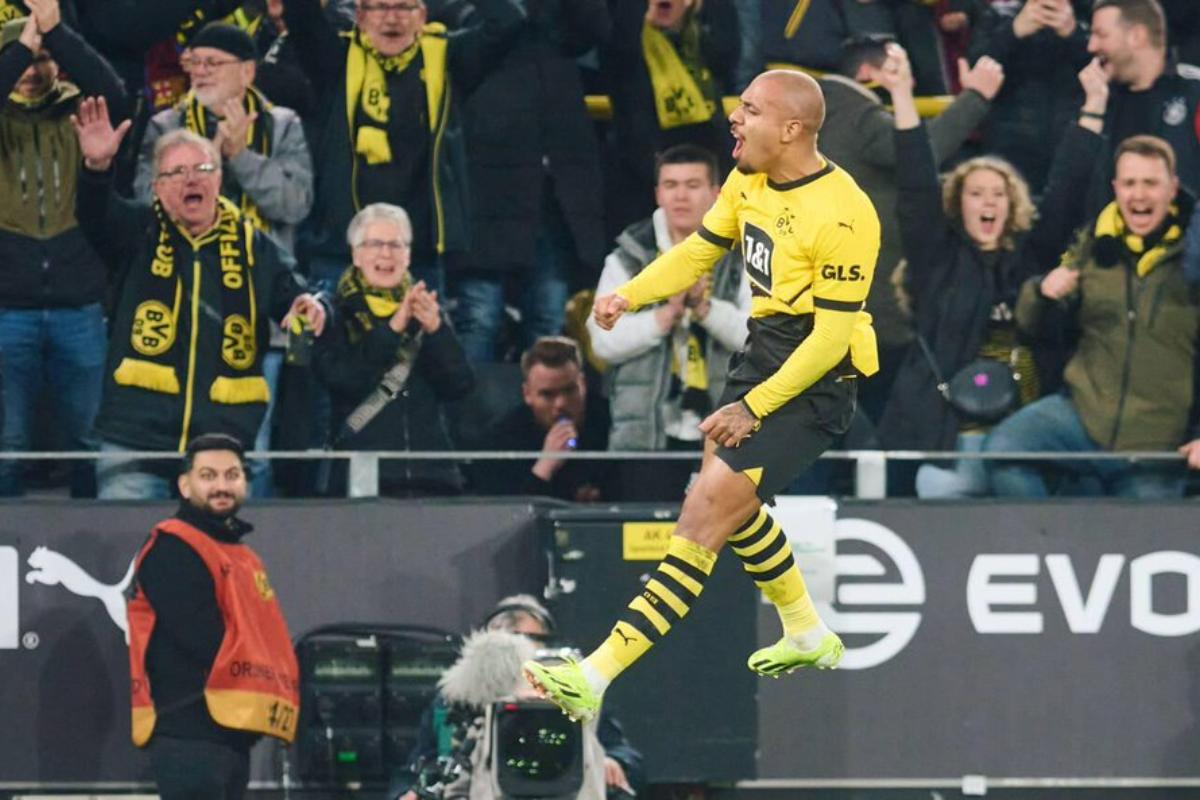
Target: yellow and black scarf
<point x="364" y="306"/>
<point x="366" y="89"/>
<point x="689" y="370"/>
<point x="197" y="119"/>
<point x="684" y="93"/>
<point x="10" y="11"/>
<point x="1146" y="254"/>
<point x="157" y="360"/>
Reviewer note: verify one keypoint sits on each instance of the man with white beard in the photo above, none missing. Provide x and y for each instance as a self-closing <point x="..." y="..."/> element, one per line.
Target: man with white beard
<point x="265" y="158"/>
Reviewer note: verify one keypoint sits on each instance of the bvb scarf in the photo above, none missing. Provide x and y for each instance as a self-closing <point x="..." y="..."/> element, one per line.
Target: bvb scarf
<point x="366" y="88"/>
<point x="158" y="360"/>
<point x="689" y="370"/>
<point x="197" y="119"/>
<point x="10" y="10"/>
<point x="366" y="306"/>
<point x="1147" y="253"/>
<point x="684" y="93"/>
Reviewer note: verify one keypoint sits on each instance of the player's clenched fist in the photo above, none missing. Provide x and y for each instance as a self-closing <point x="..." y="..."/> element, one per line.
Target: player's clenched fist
<point x="608" y="310"/>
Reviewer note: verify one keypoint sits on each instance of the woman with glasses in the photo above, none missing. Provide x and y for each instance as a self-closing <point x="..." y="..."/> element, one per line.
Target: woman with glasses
<point x="391" y="360"/>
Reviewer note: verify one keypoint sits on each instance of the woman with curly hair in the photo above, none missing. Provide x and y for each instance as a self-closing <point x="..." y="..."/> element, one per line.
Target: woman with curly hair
<point x="970" y="244"/>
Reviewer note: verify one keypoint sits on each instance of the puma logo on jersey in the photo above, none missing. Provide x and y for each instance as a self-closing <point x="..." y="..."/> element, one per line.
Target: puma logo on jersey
<point x="840" y="272"/>
<point x="624" y="639"/>
<point x="847" y="225"/>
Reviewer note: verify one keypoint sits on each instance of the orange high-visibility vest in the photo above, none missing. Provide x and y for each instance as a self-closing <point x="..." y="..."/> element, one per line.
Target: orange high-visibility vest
<point x="254" y="682"/>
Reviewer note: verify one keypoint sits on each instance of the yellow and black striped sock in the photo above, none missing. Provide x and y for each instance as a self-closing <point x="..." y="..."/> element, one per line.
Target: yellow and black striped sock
<point x="665" y="600"/>
<point x="766" y="555"/>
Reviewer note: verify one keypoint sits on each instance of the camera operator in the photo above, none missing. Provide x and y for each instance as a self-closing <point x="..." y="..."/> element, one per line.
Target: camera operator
<point x="443" y="763"/>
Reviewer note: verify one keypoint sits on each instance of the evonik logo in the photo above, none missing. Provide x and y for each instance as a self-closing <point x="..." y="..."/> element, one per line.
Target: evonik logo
<point x="51" y="568"/>
<point x="1000" y="593"/>
<point x="907" y="591"/>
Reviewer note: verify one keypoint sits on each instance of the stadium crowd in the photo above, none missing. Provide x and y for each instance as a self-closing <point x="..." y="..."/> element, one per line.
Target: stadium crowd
<point x="379" y="225"/>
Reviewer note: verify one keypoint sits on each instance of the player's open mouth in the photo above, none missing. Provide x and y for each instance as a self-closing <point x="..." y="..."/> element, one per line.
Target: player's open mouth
<point x="738" y="144"/>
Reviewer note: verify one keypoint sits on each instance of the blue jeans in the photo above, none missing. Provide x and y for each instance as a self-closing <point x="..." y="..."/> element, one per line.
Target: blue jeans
<point x="1052" y="424"/>
<point x="542" y="297"/>
<point x="259" y="469"/>
<point x="966" y="478"/>
<point x="120" y="477"/>
<point x="58" y="353"/>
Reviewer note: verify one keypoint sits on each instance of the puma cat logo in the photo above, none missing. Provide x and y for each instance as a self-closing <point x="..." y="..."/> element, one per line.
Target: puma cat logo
<point x="51" y="568"/>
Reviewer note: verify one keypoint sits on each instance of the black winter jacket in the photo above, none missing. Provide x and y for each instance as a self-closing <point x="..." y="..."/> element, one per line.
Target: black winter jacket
<point x="1040" y="97"/>
<point x="470" y="54"/>
<point x="125" y="234"/>
<point x="527" y="122"/>
<point x="635" y="123"/>
<point x="952" y="292"/>
<point x="412" y="421"/>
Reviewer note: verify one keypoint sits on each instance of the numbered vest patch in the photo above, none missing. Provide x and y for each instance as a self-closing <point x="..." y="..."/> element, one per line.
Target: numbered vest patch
<point x="757" y="250"/>
<point x="153" y="328"/>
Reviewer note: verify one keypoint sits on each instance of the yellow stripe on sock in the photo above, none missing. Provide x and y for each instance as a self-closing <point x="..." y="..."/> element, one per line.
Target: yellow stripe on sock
<point x="642" y="605"/>
<point x="686" y="580"/>
<point x="667" y="596"/>
<point x="697" y="555"/>
<point x="770" y="563"/>
<point x="752" y="527"/>
<point x="761" y="544"/>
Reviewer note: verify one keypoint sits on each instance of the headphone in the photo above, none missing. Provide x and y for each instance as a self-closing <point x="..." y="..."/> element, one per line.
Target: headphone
<point x="525" y="604"/>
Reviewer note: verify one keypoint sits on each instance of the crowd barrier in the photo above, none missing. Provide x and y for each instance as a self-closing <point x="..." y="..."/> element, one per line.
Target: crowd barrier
<point x="870" y="466"/>
<point x="989" y="644"/>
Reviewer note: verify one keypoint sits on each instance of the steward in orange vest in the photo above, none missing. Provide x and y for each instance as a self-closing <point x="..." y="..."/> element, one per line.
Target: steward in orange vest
<point x="211" y="662"/>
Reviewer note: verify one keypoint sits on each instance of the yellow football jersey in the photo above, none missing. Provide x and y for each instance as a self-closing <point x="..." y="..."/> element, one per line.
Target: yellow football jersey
<point x="809" y="247"/>
<point x="810" y="242"/>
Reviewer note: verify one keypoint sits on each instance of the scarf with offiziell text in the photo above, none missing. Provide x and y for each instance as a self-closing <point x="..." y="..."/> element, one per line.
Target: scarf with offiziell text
<point x="165" y="297"/>
<point x="198" y="119"/>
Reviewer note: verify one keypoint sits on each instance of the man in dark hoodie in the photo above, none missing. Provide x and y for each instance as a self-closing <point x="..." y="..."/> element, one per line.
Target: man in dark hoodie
<point x="211" y="662"/>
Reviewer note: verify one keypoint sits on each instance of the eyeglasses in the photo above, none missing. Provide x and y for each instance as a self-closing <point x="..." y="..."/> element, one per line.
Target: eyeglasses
<point x="379" y="245"/>
<point x="193" y="64"/>
<point x="183" y="171"/>
<point x="383" y="8"/>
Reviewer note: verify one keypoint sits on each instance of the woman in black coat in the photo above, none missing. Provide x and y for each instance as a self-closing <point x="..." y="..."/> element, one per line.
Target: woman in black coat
<point x="382" y="319"/>
<point x="969" y="246"/>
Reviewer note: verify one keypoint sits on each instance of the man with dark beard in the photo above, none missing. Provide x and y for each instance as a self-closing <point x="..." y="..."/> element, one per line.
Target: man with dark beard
<point x="211" y="662"/>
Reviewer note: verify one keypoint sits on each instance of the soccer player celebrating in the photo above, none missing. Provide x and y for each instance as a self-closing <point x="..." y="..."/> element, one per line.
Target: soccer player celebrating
<point x="809" y="238"/>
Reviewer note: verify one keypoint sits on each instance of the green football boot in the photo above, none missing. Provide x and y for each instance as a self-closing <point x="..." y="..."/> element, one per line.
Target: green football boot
<point x="784" y="657"/>
<point x="566" y="686"/>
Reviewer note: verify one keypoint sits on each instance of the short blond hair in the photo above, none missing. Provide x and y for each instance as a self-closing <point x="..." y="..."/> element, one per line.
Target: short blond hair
<point x="1021" y="210"/>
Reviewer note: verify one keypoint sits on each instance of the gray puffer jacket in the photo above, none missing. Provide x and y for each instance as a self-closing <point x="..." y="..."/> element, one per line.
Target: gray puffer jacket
<point x="640" y="354"/>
